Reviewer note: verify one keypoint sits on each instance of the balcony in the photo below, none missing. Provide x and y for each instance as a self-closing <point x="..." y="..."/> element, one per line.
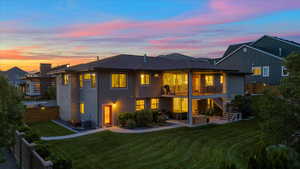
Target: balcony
<point x="207" y="84"/>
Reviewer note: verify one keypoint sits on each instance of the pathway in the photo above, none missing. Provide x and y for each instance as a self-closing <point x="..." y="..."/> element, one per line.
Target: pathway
<point x="112" y="129"/>
<point x="73" y="135"/>
<point x="122" y="130"/>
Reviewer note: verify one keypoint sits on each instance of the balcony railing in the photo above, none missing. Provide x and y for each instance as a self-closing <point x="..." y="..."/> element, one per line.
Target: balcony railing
<point x="216" y="89"/>
<point x="180" y="90"/>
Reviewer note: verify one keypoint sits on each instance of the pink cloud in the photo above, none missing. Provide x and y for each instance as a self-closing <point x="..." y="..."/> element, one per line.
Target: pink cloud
<point x="220" y="12"/>
<point x="79" y="48"/>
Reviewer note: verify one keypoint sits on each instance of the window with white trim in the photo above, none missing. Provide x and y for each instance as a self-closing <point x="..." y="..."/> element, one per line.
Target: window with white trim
<point x="266" y="71"/>
<point x="256" y="71"/>
<point x="284" y="71"/>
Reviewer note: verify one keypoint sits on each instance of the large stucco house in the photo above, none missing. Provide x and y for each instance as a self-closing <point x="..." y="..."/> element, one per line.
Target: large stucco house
<point x="98" y="91"/>
<point x="263" y="57"/>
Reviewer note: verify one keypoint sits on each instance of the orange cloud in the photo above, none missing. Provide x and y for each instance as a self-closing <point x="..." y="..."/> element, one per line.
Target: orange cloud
<point x="16" y="53"/>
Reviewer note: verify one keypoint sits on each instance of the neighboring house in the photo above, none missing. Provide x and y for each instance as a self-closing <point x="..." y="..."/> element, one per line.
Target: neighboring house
<point x="98" y="91"/>
<point x="263" y="57"/>
<point x="38" y="83"/>
<point x="14" y="77"/>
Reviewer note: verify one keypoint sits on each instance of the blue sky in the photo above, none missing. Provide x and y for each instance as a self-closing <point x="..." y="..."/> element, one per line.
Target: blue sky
<point x="76" y="31"/>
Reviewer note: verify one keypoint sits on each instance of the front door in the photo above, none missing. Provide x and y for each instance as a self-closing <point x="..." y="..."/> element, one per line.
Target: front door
<point x="107" y="115"/>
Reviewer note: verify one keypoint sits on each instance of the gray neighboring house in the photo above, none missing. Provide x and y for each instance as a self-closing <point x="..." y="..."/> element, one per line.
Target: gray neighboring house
<point x="14" y="77"/>
<point x="263" y="57"/>
<point x="95" y="93"/>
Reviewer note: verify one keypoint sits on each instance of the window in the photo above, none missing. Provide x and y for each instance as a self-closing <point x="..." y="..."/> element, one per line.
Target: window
<point x="210" y="103"/>
<point x="81" y="80"/>
<point x="65" y="79"/>
<point x="82" y="108"/>
<point x="154" y="103"/>
<point x="284" y="71"/>
<point x="145" y="78"/>
<point x="180" y="105"/>
<point x="93" y="80"/>
<point x="139" y="105"/>
<point x="119" y="80"/>
<point x="221" y="79"/>
<point x="87" y="76"/>
<point x="266" y="71"/>
<point x="256" y="71"/>
<point x="209" y="80"/>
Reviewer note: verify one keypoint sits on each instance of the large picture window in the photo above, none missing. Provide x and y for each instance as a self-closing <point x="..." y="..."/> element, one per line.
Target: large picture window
<point x="180" y="105"/>
<point x="139" y="105"/>
<point x="118" y="80"/>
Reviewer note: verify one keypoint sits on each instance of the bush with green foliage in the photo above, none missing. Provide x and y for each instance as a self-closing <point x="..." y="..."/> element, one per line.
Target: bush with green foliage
<point x="60" y="162"/>
<point x="131" y="124"/>
<point x="274" y="157"/>
<point x="242" y="104"/>
<point x="31" y="136"/>
<point x="227" y="165"/>
<point x="144" y="118"/>
<point x="43" y="150"/>
<point x="51" y="93"/>
<point x="23" y="128"/>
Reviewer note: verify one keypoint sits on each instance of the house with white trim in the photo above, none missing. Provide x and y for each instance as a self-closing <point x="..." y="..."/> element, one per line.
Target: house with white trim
<point x="263" y="57"/>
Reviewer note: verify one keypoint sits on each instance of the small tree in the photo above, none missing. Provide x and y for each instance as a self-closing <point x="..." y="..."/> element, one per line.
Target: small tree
<point x="11" y="109"/>
<point x="51" y="93"/>
<point x="279" y="112"/>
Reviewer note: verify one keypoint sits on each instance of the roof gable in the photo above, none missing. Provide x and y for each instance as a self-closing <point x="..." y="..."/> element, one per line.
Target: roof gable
<point x="247" y="46"/>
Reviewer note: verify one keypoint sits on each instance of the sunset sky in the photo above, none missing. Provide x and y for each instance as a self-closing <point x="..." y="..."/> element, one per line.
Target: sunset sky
<point x="76" y="31"/>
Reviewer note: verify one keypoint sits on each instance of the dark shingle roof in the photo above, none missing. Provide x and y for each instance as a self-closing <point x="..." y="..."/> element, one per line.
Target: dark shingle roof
<point x="177" y="56"/>
<point x="135" y="62"/>
<point x="234" y="47"/>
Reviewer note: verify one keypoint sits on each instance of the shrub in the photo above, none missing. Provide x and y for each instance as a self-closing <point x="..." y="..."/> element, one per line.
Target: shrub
<point x="130" y="123"/>
<point x="242" y="104"/>
<point x="274" y="157"/>
<point x="123" y="117"/>
<point x="161" y="119"/>
<point x="227" y="165"/>
<point x="43" y="150"/>
<point x="23" y="128"/>
<point x="156" y="115"/>
<point x="60" y="162"/>
<point x="31" y="136"/>
<point x="144" y="118"/>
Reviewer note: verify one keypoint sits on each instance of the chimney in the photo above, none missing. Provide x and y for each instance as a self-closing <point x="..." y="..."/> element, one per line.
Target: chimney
<point x="145" y="57"/>
<point x="97" y="57"/>
<point x="45" y="68"/>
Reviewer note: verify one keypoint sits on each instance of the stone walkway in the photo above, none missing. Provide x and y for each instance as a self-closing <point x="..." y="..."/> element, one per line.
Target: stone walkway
<point x="10" y="162"/>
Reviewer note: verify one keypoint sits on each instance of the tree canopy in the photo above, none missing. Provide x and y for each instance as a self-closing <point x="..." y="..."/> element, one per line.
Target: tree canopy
<point x="11" y="109"/>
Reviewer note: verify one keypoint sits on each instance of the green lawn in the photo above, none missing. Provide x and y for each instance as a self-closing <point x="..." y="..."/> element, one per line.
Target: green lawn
<point x="49" y="129"/>
<point x="197" y="148"/>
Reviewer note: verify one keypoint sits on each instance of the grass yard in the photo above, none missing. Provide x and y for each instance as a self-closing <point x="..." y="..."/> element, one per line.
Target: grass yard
<point x="188" y="148"/>
<point x="49" y="129"/>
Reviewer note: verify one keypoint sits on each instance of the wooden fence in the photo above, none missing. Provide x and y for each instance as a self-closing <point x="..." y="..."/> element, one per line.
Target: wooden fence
<point x="40" y="114"/>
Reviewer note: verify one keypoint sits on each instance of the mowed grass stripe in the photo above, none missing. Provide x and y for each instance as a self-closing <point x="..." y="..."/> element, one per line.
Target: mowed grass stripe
<point x="187" y="148"/>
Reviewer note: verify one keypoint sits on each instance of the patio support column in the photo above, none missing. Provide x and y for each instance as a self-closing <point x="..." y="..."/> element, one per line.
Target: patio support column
<point x="190" y="92"/>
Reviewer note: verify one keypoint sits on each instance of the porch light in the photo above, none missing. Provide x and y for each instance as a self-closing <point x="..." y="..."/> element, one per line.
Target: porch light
<point x="114" y="100"/>
<point x="156" y="75"/>
<point x="43" y="108"/>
